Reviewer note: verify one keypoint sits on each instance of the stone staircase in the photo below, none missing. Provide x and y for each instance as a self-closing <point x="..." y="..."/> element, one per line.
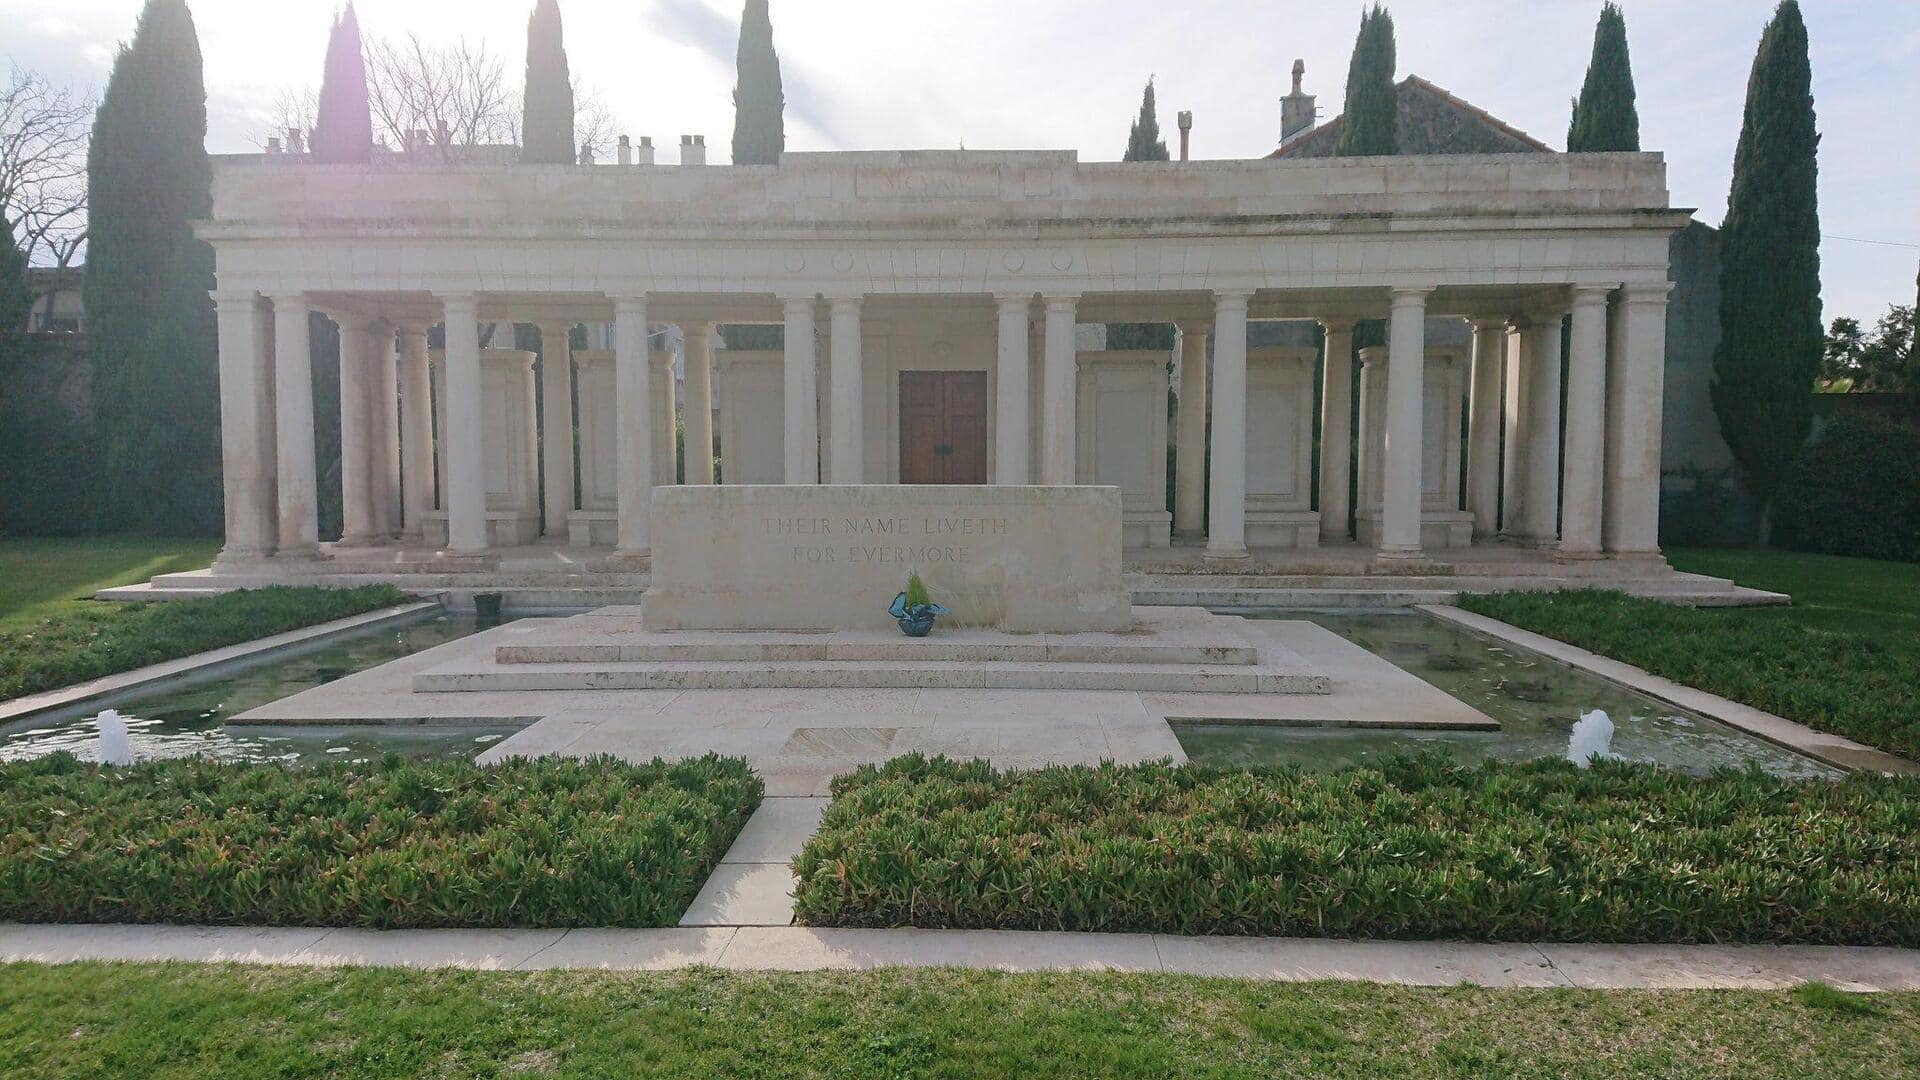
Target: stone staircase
<point x="1170" y="650"/>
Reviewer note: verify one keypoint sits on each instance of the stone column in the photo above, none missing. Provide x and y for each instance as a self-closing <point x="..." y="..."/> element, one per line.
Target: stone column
<point x="1190" y="435"/>
<point x="1537" y="446"/>
<point x="295" y="468"/>
<point x="358" y="490"/>
<point x="1583" y="468"/>
<point x="1406" y="385"/>
<point x="1059" y="388"/>
<point x="802" y="375"/>
<point x="847" y="462"/>
<point x="1484" y="413"/>
<point x="698" y="338"/>
<point x="633" y="415"/>
<point x="1227" y="488"/>
<point x="556" y="427"/>
<point x="1512" y="474"/>
<point x="416" y="434"/>
<point x="466" y="495"/>
<point x="1012" y="427"/>
<point x="1636" y="388"/>
<point x="246" y="427"/>
<point x="1336" y="431"/>
<point x="383" y="416"/>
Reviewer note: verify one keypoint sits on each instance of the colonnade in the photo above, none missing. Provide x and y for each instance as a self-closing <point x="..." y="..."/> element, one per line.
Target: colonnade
<point x="1601" y="496"/>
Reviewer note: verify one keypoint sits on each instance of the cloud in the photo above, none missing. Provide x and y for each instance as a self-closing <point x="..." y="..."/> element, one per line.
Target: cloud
<point x="695" y="25"/>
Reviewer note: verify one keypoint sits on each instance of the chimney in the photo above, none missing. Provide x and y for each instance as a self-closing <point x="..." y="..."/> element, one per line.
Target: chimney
<point x="625" y="152"/>
<point x="443" y="134"/>
<point x="693" y="149"/>
<point x="273" y="145"/>
<point x="296" y="141"/>
<point x="586" y="153"/>
<point x="1296" y="109"/>
<point x="1186" y="135"/>
<point x="644" y="155"/>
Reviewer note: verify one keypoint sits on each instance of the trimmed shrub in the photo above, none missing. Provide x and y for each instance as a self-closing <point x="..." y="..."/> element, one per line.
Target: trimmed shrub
<point x="75" y="646"/>
<point x="1410" y="848"/>
<point x="1860" y="685"/>
<point x="399" y="845"/>
<point x="1855" y="491"/>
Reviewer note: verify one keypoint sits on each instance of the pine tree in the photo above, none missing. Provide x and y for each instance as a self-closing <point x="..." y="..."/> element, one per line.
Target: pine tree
<point x="1369" y="126"/>
<point x="546" y="126"/>
<point x="150" y="320"/>
<point x="759" y="102"/>
<point x="343" y="131"/>
<point x="1604" y="117"/>
<point x="1143" y="141"/>
<point x="1770" y="333"/>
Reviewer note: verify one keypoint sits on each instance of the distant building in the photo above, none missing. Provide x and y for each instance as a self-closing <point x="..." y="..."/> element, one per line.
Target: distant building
<point x="57" y="304"/>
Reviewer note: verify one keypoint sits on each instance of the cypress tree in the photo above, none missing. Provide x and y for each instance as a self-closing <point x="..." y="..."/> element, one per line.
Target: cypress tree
<point x="1604" y="117"/>
<point x="759" y="102"/>
<point x="151" y="327"/>
<point x="1770" y="333"/>
<point x="343" y="131"/>
<point x="1370" y="125"/>
<point x="546" y="125"/>
<point x="1143" y="141"/>
<point x="16" y="295"/>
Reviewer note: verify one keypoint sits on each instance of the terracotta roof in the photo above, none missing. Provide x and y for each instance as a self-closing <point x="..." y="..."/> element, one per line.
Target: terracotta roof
<point x="1431" y="121"/>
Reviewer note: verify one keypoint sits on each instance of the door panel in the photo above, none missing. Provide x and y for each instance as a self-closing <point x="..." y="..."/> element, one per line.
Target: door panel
<point x="943" y="427"/>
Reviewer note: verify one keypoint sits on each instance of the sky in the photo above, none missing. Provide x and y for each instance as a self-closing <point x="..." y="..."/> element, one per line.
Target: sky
<point x="1067" y="74"/>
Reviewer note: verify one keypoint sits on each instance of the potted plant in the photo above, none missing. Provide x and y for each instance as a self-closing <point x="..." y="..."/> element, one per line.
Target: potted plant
<point x="914" y="609"/>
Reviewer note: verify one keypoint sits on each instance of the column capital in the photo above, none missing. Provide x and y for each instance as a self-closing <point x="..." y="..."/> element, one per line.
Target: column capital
<point x="794" y="300"/>
<point x="842" y="302"/>
<point x="235" y="295"/>
<point x="1591" y="295"/>
<point x="1061" y="301"/>
<point x="1228" y="298"/>
<point x="413" y="328"/>
<point x="1012" y="299"/>
<point x="289" y="296"/>
<point x="352" y="322"/>
<point x="1337" y="326"/>
<point x="1191" y="328"/>
<point x="628" y="300"/>
<point x="557" y="326"/>
<point x="1647" y="292"/>
<point x="1489" y="326"/>
<point x="1411" y="295"/>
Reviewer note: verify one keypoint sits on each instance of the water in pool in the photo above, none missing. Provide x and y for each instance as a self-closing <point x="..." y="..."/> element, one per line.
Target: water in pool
<point x="189" y="721"/>
<point x="1539" y="704"/>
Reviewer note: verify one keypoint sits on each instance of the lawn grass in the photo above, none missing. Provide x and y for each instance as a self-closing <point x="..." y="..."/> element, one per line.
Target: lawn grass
<point x="86" y="640"/>
<point x="401" y="844"/>
<point x="1845" y="658"/>
<point x="1412" y="848"/>
<point x="42" y="577"/>
<point x="185" y="1021"/>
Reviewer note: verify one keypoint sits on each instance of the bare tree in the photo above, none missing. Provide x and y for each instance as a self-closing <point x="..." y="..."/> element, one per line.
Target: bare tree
<point x="414" y="86"/>
<point x="44" y="130"/>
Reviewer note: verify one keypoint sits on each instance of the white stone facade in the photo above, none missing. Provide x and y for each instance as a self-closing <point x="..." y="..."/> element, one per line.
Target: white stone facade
<point x="934" y="306"/>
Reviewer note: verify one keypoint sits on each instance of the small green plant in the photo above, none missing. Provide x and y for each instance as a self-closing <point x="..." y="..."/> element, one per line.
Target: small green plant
<point x="916" y="592"/>
<point x="1818" y="995"/>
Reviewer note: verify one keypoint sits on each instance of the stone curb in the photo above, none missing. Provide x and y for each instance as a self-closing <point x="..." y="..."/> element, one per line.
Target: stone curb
<point x="207" y="665"/>
<point x="798" y="949"/>
<point x="1835" y="750"/>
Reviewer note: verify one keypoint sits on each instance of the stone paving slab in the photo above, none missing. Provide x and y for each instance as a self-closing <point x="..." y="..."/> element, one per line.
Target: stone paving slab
<point x="745" y="895"/>
<point x="797" y="948"/>
<point x="777" y="831"/>
<point x="1819" y="745"/>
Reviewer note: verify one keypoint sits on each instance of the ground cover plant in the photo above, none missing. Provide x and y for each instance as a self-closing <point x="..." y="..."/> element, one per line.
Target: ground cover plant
<point x="158" y="1022"/>
<point x="86" y="641"/>
<point x="1839" y="660"/>
<point x="1411" y="848"/>
<point x="397" y="844"/>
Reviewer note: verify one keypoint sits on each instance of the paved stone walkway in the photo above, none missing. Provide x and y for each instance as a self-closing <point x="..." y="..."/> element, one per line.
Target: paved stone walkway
<point x="792" y="948"/>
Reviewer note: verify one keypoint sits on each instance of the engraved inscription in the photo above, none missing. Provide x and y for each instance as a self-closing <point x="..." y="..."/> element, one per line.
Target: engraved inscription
<point x="917" y="540"/>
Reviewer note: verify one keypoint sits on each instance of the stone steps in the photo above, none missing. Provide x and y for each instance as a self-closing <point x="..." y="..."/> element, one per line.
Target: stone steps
<point x="800" y="650"/>
<point x="916" y="675"/>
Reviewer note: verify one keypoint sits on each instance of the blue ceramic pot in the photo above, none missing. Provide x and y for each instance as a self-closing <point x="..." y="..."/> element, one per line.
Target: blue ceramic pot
<point x="915" y="621"/>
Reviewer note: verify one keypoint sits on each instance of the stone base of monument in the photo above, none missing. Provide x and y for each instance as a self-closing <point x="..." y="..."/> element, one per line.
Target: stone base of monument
<point x="1166" y="650"/>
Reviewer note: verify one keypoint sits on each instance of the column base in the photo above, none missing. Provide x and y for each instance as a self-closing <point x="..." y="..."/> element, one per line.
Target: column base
<point x="1226" y="554"/>
<point x="463" y="558"/>
<point x="1399" y="559"/>
<point x="373" y="540"/>
<point x="1578" y="556"/>
<point x="637" y="559"/>
<point x="242" y="556"/>
<point x="303" y="553"/>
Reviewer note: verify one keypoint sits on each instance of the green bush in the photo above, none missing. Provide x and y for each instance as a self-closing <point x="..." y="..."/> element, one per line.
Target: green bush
<point x="1865" y="686"/>
<point x="1411" y="848"/>
<point x="1856" y="492"/>
<point x="75" y="646"/>
<point x="402" y="844"/>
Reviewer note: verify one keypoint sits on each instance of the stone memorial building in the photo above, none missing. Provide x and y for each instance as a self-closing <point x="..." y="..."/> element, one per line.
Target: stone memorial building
<point x="930" y="301"/>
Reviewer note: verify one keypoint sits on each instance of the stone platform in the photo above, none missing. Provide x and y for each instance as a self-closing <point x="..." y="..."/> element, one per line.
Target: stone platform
<point x="1164" y="650"/>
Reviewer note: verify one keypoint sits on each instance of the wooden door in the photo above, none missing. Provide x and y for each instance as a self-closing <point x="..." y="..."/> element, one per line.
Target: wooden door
<point x="943" y="427"/>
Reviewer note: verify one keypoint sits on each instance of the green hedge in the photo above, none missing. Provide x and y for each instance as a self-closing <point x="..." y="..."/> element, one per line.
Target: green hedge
<point x="1865" y="686"/>
<point x="75" y="646"/>
<point x="1412" y="848"/>
<point x="1854" y="492"/>
<point x="398" y="845"/>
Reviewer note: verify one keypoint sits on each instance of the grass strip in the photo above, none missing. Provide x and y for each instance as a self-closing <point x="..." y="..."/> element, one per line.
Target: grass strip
<point x="159" y="1022"/>
<point x="88" y="641"/>
<point x="401" y="844"/>
<point x="1862" y="683"/>
<point x="1413" y="848"/>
